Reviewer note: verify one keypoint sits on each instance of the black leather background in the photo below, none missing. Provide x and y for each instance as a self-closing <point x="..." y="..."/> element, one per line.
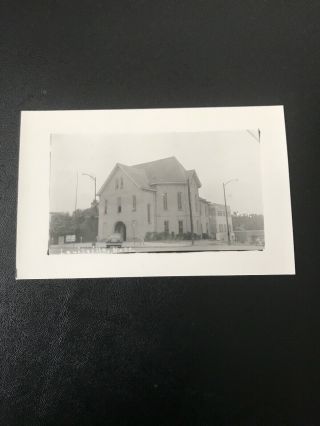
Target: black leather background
<point x="174" y="351"/>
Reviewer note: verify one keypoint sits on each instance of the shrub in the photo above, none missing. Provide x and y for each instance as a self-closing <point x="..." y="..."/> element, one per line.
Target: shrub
<point x="188" y="235"/>
<point x="150" y="236"/>
<point x="162" y="236"/>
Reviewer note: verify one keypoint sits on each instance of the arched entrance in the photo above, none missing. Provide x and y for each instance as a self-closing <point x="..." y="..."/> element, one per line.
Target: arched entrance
<point x="120" y="228"/>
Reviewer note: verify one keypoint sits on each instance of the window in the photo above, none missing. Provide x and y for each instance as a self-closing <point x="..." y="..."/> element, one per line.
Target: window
<point x="149" y="212"/>
<point x="105" y="206"/>
<point x="117" y="184"/>
<point x="165" y="201"/>
<point x="180" y="226"/>
<point x="166" y="226"/>
<point x="134" y="203"/>
<point x="119" y="204"/>
<point x="220" y="227"/>
<point x="179" y="201"/>
<point x="121" y="183"/>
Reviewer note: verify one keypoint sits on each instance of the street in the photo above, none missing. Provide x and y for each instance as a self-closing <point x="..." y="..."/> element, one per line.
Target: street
<point x="154" y="246"/>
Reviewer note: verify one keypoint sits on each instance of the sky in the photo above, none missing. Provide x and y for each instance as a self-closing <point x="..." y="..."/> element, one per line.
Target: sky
<point x="217" y="157"/>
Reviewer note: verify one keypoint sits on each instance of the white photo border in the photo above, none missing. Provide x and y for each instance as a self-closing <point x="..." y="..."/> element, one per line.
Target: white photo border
<point x="32" y="260"/>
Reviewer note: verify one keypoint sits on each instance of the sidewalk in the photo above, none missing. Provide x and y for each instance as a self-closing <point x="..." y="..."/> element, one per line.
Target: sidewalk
<point x="163" y="243"/>
<point x="153" y="246"/>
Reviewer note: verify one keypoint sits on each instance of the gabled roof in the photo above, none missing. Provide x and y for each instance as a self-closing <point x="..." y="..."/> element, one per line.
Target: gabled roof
<point x="165" y="170"/>
<point x="192" y="174"/>
<point x="139" y="177"/>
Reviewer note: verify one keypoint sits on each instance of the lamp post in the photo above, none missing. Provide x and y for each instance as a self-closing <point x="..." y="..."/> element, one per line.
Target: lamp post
<point x="224" y="184"/>
<point x="95" y="184"/>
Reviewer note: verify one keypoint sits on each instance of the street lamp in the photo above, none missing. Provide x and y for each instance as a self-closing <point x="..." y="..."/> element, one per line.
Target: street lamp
<point x="95" y="184"/>
<point x="224" y="184"/>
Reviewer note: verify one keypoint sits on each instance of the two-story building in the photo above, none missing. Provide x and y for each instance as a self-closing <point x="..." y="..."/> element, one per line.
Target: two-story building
<point x="149" y="197"/>
<point x="154" y="197"/>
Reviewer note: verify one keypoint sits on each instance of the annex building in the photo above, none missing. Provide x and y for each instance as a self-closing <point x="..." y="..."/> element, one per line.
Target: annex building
<point x="156" y="197"/>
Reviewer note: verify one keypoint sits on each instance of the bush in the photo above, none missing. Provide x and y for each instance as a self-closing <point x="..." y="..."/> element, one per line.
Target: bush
<point x="150" y="236"/>
<point x="164" y="236"/>
<point x="188" y="236"/>
<point x="158" y="236"/>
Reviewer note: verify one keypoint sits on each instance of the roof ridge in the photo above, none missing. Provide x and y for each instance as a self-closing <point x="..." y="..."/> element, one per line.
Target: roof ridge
<point x="154" y="161"/>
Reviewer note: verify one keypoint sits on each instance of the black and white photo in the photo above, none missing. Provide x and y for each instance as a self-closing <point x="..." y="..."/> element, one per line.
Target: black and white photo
<point x="190" y="191"/>
<point x="156" y="192"/>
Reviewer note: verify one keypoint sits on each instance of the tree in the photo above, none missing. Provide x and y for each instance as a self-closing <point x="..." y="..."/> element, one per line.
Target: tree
<point x="247" y="221"/>
<point x="61" y="224"/>
<point x="82" y="223"/>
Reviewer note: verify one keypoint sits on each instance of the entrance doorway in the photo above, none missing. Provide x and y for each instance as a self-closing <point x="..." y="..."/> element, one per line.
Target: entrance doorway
<point x="120" y="228"/>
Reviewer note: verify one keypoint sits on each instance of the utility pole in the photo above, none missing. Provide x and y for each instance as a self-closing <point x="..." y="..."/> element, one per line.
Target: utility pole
<point x="190" y="209"/>
<point x="76" y="200"/>
<point x="95" y="184"/>
<point x="225" y="206"/>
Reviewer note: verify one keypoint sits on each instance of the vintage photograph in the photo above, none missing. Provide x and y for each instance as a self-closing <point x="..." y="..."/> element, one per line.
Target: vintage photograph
<point x="156" y="192"/>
